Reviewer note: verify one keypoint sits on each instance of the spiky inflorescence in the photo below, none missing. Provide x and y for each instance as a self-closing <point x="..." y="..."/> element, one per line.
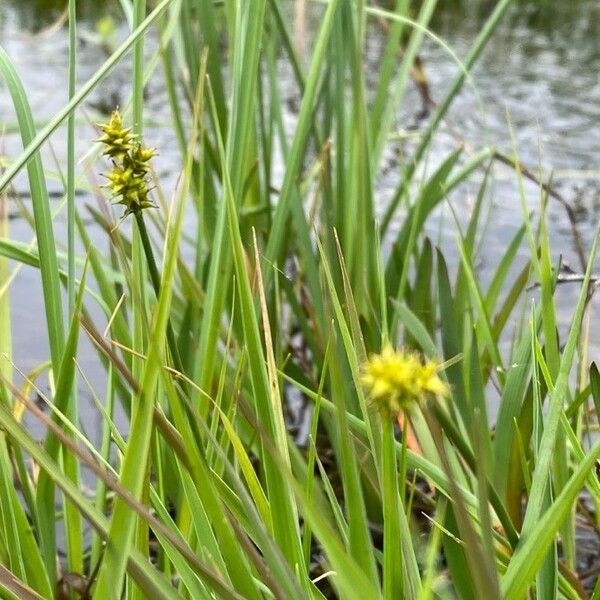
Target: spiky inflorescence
<point x="398" y="380"/>
<point x="128" y="181"/>
<point x="117" y="139"/>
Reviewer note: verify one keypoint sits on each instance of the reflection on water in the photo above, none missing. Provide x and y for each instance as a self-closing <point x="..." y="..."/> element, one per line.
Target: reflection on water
<point x="542" y="64"/>
<point x="539" y="73"/>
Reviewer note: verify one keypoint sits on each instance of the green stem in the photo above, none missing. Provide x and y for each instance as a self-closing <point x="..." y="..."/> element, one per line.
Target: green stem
<point x="73" y="520"/>
<point x="393" y="568"/>
<point x="139" y="308"/>
<point x="155" y="278"/>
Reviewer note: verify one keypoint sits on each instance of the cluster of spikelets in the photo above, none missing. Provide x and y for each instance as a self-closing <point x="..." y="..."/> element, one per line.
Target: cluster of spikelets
<point x="128" y="181"/>
<point x="397" y="381"/>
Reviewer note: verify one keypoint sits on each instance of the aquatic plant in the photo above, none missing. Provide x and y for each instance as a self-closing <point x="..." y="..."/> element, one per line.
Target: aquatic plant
<point x="267" y="271"/>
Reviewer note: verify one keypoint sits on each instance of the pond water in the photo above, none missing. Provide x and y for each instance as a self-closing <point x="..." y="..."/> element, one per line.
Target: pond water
<point x="541" y="69"/>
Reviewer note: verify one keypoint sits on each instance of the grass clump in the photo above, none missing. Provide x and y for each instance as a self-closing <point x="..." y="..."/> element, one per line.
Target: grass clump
<point x="294" y="284"/>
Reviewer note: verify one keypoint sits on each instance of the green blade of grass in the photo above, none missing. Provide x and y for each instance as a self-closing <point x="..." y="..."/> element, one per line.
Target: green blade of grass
<point x="266" y="395"/>
<point x="394" y="585"/>
<point x="123" y="520"/>
<point x="551" y="425"/>
<point x="63" y="398"/>
<point x="73" y="523"/>
<point x="239" y="133"/>
<point x="511" y="402"/>
<point x="41" y="210"/>
<point x="296" y="153"/>
<point x="384" y="117"/>
<point x="532" y="551"/>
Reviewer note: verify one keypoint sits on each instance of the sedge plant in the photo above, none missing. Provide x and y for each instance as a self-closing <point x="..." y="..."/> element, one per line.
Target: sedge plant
<point x="271" y="269"/>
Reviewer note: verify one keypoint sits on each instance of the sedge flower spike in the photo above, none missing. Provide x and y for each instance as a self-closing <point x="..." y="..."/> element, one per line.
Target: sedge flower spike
<point x="128" y="181"/>
<point x="117" y="140"/>
<point x="398" y="380"/>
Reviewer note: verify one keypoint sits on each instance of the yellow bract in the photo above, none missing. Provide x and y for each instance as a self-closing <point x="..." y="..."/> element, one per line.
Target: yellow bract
<point x="397" y="380"/>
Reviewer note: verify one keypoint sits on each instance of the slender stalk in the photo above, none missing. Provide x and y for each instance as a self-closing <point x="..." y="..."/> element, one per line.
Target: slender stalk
<point x="393" y="568"/>
<point x="155" y="279"/>
<point x="73" y="519"/>
<point x="139" y="275"/>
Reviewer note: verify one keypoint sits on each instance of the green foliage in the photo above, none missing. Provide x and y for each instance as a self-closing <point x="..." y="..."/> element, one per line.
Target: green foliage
<point x="204" y="492"/>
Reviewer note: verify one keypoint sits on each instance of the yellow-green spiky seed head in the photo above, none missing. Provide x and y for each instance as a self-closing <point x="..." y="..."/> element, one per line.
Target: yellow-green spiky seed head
<point x="128" y="180"/>
<point x="120" y="180"/>
<point x="129" y="189"/>
<point x="118" y="140"/>
<point x="139" y="159"/>
<point x="142" y="155"/>
<point x="397" y="381"/>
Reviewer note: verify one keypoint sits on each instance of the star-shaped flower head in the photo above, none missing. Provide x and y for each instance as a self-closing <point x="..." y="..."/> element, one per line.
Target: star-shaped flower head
<point x="398" y="380"/>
